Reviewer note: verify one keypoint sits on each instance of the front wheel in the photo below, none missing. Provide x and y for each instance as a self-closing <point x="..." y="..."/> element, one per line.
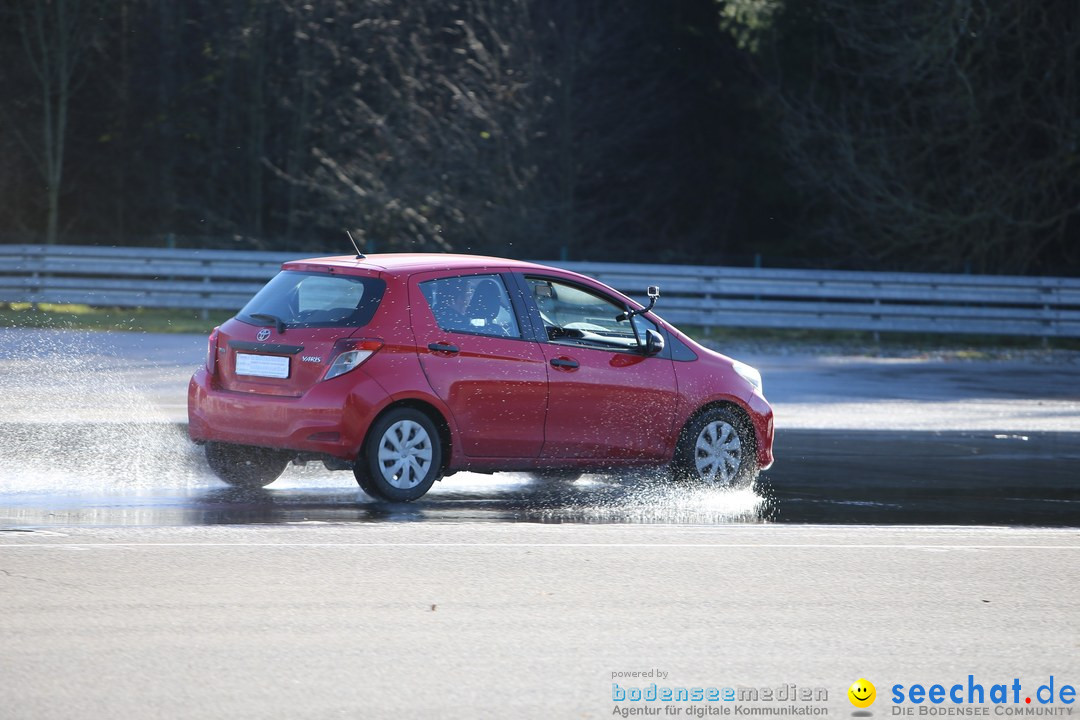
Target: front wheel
<point x="717" y="448"/>
<point x="402" y="457"/>
<point x="243" y="466"/>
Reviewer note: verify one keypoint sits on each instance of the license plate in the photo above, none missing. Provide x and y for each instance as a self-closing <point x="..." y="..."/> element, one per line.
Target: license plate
<point x="271" y="366"/>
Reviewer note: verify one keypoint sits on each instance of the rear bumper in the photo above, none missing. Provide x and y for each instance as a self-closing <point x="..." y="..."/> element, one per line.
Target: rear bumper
<point x="331" y="418"/>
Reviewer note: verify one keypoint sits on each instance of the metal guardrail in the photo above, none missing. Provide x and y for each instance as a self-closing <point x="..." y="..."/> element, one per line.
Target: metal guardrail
<point x="693" y="295"/>
<point x="849" y="300"/>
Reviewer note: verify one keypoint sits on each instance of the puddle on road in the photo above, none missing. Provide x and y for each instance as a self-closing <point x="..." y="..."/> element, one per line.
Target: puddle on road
<point x="133" y="467"/>
<point x="136" y="473"/>
<point x="186" y="493"/>
<point x="151" y="474"/>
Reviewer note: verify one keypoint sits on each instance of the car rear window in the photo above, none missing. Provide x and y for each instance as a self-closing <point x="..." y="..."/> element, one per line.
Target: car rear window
<point x="314" y="299"/>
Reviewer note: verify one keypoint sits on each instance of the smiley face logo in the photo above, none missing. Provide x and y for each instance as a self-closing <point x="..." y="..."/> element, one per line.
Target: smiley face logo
<point x="862" y="693"/>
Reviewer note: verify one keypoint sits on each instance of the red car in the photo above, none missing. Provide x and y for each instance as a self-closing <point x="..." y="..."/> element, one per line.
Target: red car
<point x="407" y="368"/>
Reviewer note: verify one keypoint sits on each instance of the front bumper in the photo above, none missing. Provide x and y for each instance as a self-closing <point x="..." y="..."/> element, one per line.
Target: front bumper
<point x="762" y="414"/>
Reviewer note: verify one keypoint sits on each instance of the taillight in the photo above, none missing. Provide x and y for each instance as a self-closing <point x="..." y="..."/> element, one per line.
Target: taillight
<point x="349" y="354"/>
<point x="211" y="352"/>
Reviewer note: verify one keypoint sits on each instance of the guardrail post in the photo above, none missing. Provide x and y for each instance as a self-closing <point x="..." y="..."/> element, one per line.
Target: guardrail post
<point x="877" y="318"/>
<point x="35" y="276"/>
<point x="204" y="312"/>
<point x="1046" y="310"/>
<point x="709" y="325"/>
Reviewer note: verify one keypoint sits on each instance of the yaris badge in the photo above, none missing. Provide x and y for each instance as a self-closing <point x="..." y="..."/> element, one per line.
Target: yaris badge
<point x="263" y="334"/>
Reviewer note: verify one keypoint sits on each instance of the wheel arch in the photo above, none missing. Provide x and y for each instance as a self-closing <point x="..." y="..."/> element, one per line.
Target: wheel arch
<point x="718" y="403"/>
<point x="433" y="414"/>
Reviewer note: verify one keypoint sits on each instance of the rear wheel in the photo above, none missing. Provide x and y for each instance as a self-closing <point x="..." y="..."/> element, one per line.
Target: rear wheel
<point x="717" y="448"/>
<point x="244" y="466"/>
<point x="402" y="456"/>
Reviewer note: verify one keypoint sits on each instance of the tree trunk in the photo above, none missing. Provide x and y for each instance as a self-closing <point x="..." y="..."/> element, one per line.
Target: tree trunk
<point x="51" y="34"/>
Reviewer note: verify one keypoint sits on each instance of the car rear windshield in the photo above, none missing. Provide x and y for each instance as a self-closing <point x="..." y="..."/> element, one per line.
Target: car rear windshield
<point x="314" y="299"/>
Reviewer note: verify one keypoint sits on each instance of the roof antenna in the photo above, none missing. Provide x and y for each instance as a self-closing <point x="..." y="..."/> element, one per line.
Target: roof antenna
<point x="359" y="255"/>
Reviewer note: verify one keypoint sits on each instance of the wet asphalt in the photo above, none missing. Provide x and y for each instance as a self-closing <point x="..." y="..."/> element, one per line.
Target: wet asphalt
<point x="91" y="433"/>
<point x="68" y="475"/>
<point x="133" y="584"/>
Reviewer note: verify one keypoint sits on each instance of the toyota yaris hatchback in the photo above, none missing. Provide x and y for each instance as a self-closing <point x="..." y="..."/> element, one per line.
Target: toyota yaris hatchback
<point x="408" y="368"/>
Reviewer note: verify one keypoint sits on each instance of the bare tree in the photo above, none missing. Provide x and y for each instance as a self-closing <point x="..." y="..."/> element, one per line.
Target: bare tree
<point x="56" y="35"/>
<point x="628" y="151"/>
<point x="412" y="127"/>
<point x="931" y="133"/>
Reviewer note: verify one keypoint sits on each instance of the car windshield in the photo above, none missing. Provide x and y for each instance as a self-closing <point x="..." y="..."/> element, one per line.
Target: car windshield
<point x="313" y="299"/>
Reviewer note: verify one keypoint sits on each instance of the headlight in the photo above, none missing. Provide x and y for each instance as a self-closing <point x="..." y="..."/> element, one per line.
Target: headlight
<point x="749" y="374"/>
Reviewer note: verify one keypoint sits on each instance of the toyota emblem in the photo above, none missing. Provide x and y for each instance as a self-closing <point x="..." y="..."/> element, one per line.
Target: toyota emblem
<point x="263" y="334"/>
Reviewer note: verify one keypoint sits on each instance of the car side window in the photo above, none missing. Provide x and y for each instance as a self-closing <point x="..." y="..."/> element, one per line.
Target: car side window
<point x="642" y="323"/>
<point x="575" y="316"/>
<point x="475" y="304"/>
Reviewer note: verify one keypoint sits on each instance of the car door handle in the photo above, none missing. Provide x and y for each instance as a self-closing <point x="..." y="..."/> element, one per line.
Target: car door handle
<point x="443" y="348"/>
<point x="564" y="363"/>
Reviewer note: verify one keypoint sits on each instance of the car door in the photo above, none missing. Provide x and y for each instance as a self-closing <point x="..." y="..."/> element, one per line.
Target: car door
<point x="606" y="398"/>
<point x="477" y="359"/>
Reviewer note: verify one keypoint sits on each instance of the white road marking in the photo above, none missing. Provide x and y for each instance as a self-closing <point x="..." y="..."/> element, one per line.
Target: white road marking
<point x="791" y="546"/>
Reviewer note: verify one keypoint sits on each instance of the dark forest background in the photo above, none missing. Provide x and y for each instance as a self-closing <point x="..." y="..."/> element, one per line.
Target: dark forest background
<point x="895" y="134"/>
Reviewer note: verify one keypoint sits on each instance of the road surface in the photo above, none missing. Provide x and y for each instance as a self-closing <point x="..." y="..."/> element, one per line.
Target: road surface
<point x="133" y="585"/>
<point x="424" y="620"/>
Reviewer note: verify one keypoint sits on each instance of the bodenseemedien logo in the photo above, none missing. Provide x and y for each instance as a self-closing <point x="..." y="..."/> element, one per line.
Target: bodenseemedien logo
<point x="700" y="701"/>
<point x="652" y="692"/>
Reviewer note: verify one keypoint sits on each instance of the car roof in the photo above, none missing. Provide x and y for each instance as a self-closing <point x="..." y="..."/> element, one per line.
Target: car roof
<point x="405" y="264"/>
<point x="408" y="263"/>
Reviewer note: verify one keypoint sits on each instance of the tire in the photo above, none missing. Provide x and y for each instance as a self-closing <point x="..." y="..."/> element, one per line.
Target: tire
<point x="243" y="466"/>
<point x="402" y="457"/>
<point x="718" y="449"/>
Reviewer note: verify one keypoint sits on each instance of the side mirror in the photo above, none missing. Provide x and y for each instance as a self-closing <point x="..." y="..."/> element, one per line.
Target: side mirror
<point x="654" y="343"/>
